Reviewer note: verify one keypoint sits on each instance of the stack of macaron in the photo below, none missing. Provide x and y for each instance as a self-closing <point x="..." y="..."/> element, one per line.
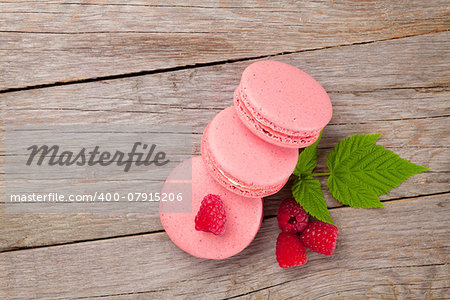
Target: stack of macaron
<point x="248" y="151"/>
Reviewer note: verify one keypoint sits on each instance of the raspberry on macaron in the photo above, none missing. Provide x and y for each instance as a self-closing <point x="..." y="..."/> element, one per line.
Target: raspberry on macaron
<point x="211" y="215"/>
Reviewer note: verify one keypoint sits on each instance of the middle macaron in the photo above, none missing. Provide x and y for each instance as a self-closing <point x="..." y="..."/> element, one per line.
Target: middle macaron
<point x="242" y="162"/>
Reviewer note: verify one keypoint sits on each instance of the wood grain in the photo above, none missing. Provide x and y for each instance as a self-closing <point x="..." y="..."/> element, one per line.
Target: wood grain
<point x="385" y="87"/>
<point x="410" y="109"/>
<point x="40" y="229"/>
<point x="370" y="71"/>
<point x="380" y="253"/>
<point x="384" y="64"/>
<point x="44" y="42"/>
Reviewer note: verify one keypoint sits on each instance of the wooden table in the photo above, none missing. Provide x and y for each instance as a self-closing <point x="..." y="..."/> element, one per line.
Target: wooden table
<point x="385" y="65"/>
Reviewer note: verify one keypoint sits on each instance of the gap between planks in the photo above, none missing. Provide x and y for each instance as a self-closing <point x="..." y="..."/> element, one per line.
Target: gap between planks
<point x="248" y="293"/>
<point x="202" y="65"/>
<point x="288" y="281"/>
<point x="162" y="231"/>
<point x="165" y="5"/>
<point x="217" y="109"/>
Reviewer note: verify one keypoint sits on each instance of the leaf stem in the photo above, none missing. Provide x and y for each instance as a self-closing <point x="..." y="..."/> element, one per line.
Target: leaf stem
<point x="321" y="174"/>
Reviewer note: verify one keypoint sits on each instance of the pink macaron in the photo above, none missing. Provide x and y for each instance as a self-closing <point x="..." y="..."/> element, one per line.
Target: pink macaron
<point x="242" y="162"/>
<point x="282" y="104"/>
<point x="243" y="215"/>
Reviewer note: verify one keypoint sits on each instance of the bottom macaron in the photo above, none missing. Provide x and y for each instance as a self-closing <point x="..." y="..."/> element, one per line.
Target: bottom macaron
<point x="243" y="215"/>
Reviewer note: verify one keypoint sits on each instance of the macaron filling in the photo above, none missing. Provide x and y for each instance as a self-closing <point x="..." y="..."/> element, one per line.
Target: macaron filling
<point x="230" y="182"/>
<point x="248" y="190"/>
<point x="262" y="125"/>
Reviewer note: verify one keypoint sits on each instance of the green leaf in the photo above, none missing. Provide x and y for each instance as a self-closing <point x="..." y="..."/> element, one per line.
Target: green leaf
<point x="361" y="171"/>
<point x="308" y="193"/>
<point x="348" y="146"/>
<point x="307" y="160"/>
<point x="352" y="195"/>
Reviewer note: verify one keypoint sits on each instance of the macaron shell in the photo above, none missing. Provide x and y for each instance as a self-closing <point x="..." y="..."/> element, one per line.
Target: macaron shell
<point x="288" y="99"/>
<point x="235" y="185"/>
<point x="244" y="216"/>
<point x="232" y="148"/>
<point x="301" y="140"/>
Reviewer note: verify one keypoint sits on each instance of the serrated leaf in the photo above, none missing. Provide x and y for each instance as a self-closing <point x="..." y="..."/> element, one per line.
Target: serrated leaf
<point x="308" y="193"/>
<point x="352" y="195"/>
<point x="307" y="160"/>
<point x="378" y="169"/>
<point x="348" y="146"/>
<point x="361" y="171"/>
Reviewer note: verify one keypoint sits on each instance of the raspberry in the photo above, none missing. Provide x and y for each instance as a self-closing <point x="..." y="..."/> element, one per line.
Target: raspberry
<point x="291" y="216"/>
<point x="320" y="237"/>
<point x="290" y="251"/>
<point x="211" y="215"/>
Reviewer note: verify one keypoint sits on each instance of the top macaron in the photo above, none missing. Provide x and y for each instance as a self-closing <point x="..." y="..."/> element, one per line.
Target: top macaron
<point x="282" y="104"/>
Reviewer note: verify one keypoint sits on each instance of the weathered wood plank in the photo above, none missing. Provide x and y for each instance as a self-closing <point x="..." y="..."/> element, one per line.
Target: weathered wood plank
<point x="33" y="229"/>
<point x="44" y="42"/>
<point x="30" y="230"/>
<point x="408" y="133"/>
<point x="388" y="258"/>
<point x="385" y="76"/>
<point x="171" y="97"/>
<point x="103" y="102"/>
<point x="382" y="65"/>
<point x="434" y="158"/>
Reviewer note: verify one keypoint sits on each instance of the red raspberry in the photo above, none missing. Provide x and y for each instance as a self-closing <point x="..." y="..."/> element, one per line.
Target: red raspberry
<point x="211" y="215"/>
<point x="320" y="237"/>
<point x="291" y="216"/>
<point x="290" y="251"/>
